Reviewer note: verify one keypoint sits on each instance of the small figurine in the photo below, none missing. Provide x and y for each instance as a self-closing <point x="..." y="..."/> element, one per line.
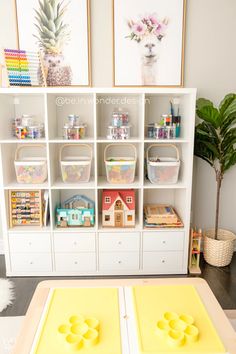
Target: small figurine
<point x="194" y="251"/>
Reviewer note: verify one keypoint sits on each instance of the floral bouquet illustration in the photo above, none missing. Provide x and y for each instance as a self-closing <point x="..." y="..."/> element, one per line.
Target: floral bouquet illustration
<point x="148" y="32"/>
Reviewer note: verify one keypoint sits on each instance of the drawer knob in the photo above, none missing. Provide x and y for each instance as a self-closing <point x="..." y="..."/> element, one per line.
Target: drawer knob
<point x="31" y="262"/>
<point x="164" y="242"/>
<point x="163" y="261"/>
<point x="30" y="243"/>
<point x="75" y="243"/>
<point x="119" y="243"/>
<point x="75" y="262"/>
<point x="119" y="262"/>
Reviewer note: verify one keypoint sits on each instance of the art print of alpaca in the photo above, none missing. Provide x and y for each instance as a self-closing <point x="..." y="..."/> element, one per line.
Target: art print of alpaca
<point x="148" y="32"/>
<point x="148" y="42"/>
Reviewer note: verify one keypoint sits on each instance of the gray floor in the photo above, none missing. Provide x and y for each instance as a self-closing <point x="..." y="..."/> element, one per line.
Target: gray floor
<point x="221" y="280"/>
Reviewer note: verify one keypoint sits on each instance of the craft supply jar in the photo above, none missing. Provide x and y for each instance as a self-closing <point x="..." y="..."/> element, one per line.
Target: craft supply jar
<point x="74" y="133"/>
<point x="73" y="120"/>
<point x="150" y="130"/>
<point x="27" y="120"/>
<point x="21" y="132"/>
<point x="118" y="133"/>
<point x="36" y="131"/>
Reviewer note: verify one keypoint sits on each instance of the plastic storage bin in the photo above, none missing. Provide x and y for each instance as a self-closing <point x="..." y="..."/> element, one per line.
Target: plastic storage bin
<point x="30" y="169"/>
<point x="75" y="169"/>
<point x="163" y="170"/>
<point x="120" y="170"/>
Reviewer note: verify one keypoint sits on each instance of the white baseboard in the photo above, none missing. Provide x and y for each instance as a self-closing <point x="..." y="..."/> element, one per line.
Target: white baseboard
<point x="1" y="246"/>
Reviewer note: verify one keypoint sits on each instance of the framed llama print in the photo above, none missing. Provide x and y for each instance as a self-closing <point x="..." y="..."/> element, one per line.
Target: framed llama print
<point x="59" y="29"/>
<point x="148" y="42"/>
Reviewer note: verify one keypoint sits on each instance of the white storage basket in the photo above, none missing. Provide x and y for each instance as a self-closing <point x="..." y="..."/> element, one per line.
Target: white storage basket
<point x="120" y="170"/>
<point x="30" y="169"/>
<point x="75" y="169"/>
<point x="163" y="170"/>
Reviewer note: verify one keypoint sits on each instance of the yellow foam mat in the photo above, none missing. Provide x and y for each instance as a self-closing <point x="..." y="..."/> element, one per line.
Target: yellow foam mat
<point x="97" y="303"/>
<point x="151" y="302"/>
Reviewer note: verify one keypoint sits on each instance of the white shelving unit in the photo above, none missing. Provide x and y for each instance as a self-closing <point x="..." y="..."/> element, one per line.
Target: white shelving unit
<point x="97" y="250"/>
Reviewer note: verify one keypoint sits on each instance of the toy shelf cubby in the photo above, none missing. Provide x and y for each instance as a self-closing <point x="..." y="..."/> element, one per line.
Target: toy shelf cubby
<point x="96" y="250"/>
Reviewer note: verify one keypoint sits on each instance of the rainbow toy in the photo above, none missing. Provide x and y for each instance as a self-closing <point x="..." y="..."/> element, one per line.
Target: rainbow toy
<point x="24" y="68"/>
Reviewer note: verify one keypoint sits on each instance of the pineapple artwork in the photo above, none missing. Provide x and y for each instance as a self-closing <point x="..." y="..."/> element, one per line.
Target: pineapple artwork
<point x="53" y="34"/>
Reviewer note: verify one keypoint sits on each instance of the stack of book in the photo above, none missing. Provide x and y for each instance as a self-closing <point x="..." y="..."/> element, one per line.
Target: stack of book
<point x="161" y="216"/>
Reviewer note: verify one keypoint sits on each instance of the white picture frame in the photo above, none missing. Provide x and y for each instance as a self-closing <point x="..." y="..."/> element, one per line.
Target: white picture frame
<point x="148" y="42"/>
<point x="75" y="62"/>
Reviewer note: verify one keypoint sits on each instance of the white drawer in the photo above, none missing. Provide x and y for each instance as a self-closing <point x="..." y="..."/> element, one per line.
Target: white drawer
<point x="163" y="241"/>
<point x="118" y="242"/>
<point x="80" y="262"/>
<point x="74" y="242"/>
<point x="163" y="262"/>
<point x="38" y="242"/>
<point x="31" y="262"/>
<point x="115" y="261"/>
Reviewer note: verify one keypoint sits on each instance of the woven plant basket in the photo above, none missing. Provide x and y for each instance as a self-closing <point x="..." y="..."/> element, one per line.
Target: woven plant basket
<point x="219" y="252"/>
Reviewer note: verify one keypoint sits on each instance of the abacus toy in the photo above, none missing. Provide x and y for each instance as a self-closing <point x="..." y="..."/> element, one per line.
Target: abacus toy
<point x="25" y="208"/>
<point x="24" y="68"/>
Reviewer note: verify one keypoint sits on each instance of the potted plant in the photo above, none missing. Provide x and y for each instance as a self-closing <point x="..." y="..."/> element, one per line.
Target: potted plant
<point x="215" y="143"/>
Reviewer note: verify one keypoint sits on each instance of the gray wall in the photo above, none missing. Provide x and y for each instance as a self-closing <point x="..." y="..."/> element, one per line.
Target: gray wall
<point x="210" y="60"/>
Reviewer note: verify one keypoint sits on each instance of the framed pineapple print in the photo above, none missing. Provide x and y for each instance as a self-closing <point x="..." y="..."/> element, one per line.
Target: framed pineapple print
<point x="60" y="29"/>
<point x="148" y="42"/>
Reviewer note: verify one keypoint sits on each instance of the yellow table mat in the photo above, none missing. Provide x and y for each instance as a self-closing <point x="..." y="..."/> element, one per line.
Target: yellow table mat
<point x="151" y="302"/>
<point x="99" y="303"/>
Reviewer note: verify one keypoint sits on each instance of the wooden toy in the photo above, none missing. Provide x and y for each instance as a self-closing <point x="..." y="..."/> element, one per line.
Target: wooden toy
<point x="77" y="211"/>
<point x="194" y="251"/>
<point x="161" y="216"/>
<point x="118" y="208"/>
<point x="24" y="68"/>
<point x="25" y="208"/>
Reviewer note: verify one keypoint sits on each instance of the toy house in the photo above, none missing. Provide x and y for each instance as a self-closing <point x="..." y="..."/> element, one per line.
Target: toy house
<point x="76" y="211"/>
<point x="118" y="208"/>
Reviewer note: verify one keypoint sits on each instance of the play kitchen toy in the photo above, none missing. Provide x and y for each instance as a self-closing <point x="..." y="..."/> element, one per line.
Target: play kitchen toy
<point x="162" y="170"/>
<point x="73" y="129"/>
<point x="25" y="208"/>
<point x="75" y="212"/>
<point x="119" y="129"/>
<point x="161" y="216"/>
<point x="30" y="169"/>
<point x="169" y="125"/>
<point x="76" y="169"/>
<point x="26" y="127"/>
<point x="120" y="170"/>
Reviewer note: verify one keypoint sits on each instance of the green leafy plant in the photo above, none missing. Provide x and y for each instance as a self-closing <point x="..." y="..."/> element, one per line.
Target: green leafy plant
<point x="215" y="139"/>
<point x="53" y="33"/>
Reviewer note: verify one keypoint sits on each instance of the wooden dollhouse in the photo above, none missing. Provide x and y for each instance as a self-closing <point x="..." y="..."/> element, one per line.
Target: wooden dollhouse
<point x="77" y="211"/>
<point x="118" y="208"/>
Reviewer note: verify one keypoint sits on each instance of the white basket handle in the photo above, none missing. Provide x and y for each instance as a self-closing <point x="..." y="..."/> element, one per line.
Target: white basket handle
<point x="163" y="145"/>
<point x="76" y="145"/>
<point x="20" y="148"/>
<point x="112" y="145"/>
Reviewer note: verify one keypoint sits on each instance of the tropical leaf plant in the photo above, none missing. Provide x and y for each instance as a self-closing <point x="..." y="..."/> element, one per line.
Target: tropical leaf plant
<point x="215" y="140"/>
<point x="52" y="32"/>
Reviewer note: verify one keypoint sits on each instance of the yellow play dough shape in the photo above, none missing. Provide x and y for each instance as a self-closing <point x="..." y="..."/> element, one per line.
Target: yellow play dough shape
<point x="74" y="321"/>
<point x="156" y="303"/>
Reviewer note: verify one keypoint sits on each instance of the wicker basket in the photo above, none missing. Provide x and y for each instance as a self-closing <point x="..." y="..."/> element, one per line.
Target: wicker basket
<point x="219" y="252"/>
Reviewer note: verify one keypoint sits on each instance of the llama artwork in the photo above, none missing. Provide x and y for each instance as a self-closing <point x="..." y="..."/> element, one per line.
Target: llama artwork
<point x="148" y="32"/>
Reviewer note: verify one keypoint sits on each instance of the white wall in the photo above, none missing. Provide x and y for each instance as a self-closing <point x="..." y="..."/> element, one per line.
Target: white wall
<point x="210" y="65"/>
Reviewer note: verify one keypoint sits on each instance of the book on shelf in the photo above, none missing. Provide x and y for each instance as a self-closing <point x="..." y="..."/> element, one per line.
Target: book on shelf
<point x="161" y="216"/>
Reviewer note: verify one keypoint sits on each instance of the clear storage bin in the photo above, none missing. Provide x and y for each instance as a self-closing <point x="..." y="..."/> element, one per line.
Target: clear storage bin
<point x="120" y="170"/>
<point x="30" y="169"/>
<point x="163" y="170"/>
<point x="75" y="169"/>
